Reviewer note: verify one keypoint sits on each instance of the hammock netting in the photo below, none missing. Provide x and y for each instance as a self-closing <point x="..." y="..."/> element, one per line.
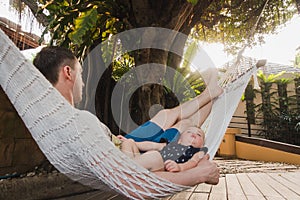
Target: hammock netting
<point x="79" y="145"/>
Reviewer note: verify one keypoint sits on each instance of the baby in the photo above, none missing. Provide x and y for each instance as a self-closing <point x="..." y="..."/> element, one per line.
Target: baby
<point x="175" y="156"/>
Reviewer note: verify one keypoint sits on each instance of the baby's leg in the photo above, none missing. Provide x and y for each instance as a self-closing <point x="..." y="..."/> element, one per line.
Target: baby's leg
<point x="130" y="148"/>
<point x="151" y="160"/>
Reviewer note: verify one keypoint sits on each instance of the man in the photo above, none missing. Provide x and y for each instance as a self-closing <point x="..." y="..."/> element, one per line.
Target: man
<point x="63" y="70"/>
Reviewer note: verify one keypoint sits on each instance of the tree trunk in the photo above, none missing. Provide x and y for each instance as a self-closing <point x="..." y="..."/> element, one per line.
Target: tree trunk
<point x="103" y="100"/>
<point x="250" y="106"/>
<point x="179" y="16"/>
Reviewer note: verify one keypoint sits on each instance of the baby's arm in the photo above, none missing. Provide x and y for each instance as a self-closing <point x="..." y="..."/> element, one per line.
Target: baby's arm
<point x="145" y="145"/>
<point x="149" y="146"/>
<point x="172" y="166"/>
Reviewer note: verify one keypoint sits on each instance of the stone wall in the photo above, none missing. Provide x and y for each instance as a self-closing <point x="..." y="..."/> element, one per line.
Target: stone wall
<point x="18" y="150"/>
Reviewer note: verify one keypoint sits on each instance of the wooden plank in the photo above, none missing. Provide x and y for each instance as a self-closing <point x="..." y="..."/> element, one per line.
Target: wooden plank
<point x="254" y="197"/>
<point x="248" y="187"/>
<point x="292" y="186"/>
<point x="275" y="198"/>
<point x="283" y="190"/>
<point x="218" y="192"/>
<point x="192" y="189"/>
<point x="95" y="195"/>
<point x="203" y="188"/>
<point x="263" y="187"/>
<point x="199" y="196"/>
<point x="234" y="190"/>
<point x="292" y="176"/>
<point x="217" y="197"/>
<point x="181" y="195"/>
<point x="297" y="174"/>
<point x="236" y="197"/>
<point x="108" y="197"/>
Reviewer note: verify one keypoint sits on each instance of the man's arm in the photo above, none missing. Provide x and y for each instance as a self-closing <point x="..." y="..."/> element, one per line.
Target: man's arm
<point x="205" y="172"/>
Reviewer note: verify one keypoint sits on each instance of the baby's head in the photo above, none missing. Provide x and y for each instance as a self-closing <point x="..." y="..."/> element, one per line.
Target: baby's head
<point x="192" y="136"/>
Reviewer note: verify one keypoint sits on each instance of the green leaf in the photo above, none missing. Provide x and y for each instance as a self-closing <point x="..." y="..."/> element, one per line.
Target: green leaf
<point x="194" y="2"/>
<point x="190" y="53"/>
<point x="83" y="24"/>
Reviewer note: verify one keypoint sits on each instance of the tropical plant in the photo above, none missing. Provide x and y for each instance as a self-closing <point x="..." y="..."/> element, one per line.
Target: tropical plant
<point x="279" y="118"/>
<point x="283" y="94"/>
<point x="267" y="110"/>
<point x="288" y="124"/>
<point x="297" y="93"/>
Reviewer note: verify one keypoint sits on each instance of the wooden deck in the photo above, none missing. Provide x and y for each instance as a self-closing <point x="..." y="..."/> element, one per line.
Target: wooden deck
<point x="240" y="179"/>
<point x="248" y="186"/>
<point x="251" y="186"/>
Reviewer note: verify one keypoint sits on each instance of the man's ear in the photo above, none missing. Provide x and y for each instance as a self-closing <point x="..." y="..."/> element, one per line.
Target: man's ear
<point x="67" y="72"/>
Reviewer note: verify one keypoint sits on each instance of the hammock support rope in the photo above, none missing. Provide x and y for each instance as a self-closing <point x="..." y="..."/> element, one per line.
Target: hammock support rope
<point x="79" y="145"/>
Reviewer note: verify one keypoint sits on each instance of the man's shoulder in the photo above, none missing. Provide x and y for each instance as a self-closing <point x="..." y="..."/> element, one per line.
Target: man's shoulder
<point x="90" y="120"/>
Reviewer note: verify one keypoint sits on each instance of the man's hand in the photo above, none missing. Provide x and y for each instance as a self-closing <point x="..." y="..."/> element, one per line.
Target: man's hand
<point x="172" y="166"/>
<point x="212" y="173"/>
<point x="205" y="171"/>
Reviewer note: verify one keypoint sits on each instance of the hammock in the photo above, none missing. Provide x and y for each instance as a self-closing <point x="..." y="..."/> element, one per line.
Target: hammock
<point x="79" y="145"/>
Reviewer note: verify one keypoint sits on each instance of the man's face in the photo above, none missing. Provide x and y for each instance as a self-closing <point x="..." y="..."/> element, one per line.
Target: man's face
<point x="192" y="136"/>
<point x="78" y="83"/>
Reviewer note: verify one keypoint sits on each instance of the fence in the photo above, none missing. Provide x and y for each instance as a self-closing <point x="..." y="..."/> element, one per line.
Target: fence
<point x="287" y="135"/>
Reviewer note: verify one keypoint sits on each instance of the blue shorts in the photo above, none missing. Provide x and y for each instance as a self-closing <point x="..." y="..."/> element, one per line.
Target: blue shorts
<point x="150" y="131"/>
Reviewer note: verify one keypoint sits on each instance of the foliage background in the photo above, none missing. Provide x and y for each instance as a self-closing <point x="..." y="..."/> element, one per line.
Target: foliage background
<point x="81" y="25"/>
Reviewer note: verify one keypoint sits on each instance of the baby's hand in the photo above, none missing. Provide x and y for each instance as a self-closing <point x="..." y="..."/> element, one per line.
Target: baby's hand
<point x="198" y="156"/>
<point x="172" y="166"/>
<point x="121" y="137"/>
<point x="201" y="154"/>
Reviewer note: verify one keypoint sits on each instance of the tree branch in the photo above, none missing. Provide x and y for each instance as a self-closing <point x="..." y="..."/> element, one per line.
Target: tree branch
<point x="41" y="17"/>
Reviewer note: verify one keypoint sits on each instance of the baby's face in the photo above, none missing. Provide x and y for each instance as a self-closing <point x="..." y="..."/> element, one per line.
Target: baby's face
<point x="192" y="136"/>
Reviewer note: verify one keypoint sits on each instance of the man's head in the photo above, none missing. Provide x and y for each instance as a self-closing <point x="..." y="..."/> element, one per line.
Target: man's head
<point x="62" y="69"/>
<point x="192" y="136"/>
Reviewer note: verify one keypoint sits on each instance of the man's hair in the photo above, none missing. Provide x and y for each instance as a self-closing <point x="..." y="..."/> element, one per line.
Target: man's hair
<point x="50" y="59"/>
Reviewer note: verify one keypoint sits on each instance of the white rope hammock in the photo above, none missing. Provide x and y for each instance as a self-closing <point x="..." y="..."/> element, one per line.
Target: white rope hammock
<point x="78" y="144"/>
